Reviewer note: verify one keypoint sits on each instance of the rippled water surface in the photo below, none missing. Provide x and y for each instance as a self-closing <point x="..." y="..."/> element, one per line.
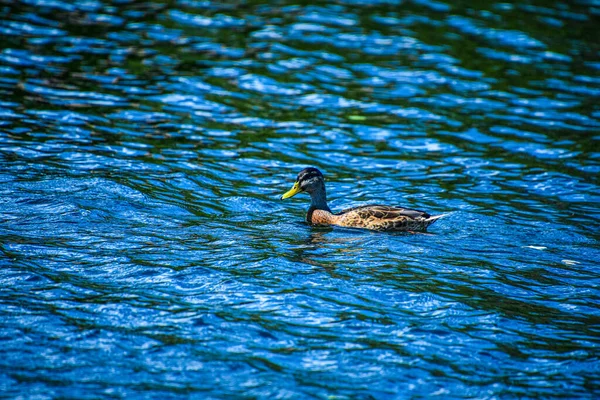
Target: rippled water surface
<point x="144" y="251"/>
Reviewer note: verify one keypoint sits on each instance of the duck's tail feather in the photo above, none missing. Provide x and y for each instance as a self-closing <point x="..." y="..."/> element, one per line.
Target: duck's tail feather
<point x="434" y="218"/>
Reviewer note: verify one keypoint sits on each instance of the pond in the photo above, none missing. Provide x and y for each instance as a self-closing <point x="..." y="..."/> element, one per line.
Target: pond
<point x="145" y="251"/>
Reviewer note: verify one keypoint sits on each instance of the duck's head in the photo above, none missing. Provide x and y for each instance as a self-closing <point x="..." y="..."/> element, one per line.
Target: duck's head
<point x="309" y="180"/>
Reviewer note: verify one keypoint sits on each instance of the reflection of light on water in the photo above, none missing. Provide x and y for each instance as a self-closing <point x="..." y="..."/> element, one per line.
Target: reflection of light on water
<point x="570" y="262"/>
<point x="536" y="247"/>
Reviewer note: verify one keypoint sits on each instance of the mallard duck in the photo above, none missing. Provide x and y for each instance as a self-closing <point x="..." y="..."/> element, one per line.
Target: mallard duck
<point x="375" y="217"/>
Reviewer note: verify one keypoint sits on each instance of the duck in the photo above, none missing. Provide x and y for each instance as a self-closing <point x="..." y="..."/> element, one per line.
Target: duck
<point x="374" y="217"/>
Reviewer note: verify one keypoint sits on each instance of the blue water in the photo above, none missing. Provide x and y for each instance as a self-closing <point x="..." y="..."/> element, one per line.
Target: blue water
<point x="144" y="251"/>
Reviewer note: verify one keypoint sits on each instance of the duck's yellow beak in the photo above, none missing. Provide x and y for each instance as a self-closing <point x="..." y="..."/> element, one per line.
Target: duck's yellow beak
<point x="292" y="192"/>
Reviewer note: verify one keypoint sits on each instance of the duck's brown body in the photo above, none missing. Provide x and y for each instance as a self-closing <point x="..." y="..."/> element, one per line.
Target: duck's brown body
<point x="375" y="217"/>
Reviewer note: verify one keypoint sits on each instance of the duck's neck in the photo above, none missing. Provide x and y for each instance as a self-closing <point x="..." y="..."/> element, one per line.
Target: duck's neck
<point x="318" y="200"/>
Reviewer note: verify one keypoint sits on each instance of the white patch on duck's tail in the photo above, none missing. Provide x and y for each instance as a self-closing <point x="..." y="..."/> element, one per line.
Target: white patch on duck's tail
<point x="434" y="218"/>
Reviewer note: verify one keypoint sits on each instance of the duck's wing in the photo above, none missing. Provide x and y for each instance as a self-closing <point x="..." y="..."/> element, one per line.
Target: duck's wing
<point x="380" y="217"/>
<point x="385" y="212"/>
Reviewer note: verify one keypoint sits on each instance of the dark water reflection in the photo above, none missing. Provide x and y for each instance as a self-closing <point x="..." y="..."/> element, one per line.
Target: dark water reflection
<point x="144" y="251"/>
